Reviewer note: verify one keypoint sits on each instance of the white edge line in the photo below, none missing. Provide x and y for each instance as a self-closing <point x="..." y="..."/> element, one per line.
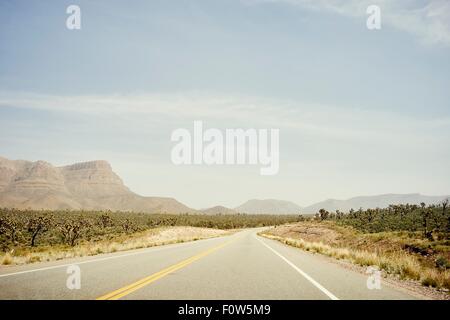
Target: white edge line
<point x="147" y="250"/>
<point x="304" y="274"/>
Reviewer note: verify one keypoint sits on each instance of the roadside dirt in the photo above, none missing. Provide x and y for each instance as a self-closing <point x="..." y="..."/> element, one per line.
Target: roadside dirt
<point x="145" y="239"/>
<point x="340" y="237"/>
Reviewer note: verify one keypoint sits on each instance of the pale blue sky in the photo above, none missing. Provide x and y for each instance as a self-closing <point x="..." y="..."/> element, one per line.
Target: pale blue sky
<point x="359" y="111"/>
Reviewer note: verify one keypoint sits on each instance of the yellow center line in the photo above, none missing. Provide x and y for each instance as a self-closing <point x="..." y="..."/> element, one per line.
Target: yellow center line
<point x="119" y="293"/>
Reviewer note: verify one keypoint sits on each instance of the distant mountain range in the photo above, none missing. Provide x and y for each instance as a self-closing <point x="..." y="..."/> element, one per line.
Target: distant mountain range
<point x="88" y="185"/>
<point x="378" y="201"/>
<point x="271" y="206"/>
<point x="218" y="210"/>
<point x="94" y="186"/>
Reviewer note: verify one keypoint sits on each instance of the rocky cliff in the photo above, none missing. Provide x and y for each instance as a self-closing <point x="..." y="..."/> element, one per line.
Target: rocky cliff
<point x="89" y="185"/>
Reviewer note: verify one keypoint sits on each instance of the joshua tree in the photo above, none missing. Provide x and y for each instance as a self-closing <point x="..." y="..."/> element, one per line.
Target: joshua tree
<point x="323" y="214"/>
<point x="370" y="215"/>
<point x="444" y="212"/>
<point x="72" y="230"/>
<point x="10" y="227"/>
<point x="128" y="226"/>
<point x="426" y="213"/>
<point x="352" y="213"/>
<point x="443" y="219"/>
<point x="105" y="221"/>
<point x="38" y="225"/>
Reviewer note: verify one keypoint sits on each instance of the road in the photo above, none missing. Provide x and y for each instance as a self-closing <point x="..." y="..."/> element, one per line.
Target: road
<point x="240" y="266"/>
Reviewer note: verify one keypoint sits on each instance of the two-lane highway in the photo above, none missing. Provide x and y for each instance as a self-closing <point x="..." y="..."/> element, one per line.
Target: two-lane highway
<point x="240" y="266"/>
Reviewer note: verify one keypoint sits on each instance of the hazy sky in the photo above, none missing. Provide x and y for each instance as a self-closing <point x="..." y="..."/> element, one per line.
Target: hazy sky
<point x="360" y="112"/>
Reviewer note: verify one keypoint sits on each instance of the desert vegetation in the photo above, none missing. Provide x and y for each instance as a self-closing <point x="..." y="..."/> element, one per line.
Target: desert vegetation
<point x="409" y="241"/>
<point x="40" y="235"/>
<point x="432" y="220"/>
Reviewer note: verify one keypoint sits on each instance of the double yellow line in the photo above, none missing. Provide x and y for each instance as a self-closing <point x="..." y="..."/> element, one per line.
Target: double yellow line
<point x="119" y="293"/>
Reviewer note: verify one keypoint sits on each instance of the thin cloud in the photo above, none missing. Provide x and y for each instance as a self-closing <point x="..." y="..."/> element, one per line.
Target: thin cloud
<point x="322" y="148"/>
<point x="324" y="122"/>
<point x="429" y="22"/>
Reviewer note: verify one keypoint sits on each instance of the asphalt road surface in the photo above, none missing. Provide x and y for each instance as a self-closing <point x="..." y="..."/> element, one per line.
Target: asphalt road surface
<point x="240" y="266"/>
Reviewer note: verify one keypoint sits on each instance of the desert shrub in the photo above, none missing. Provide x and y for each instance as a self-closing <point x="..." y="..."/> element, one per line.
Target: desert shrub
<point x="442" y="263"/>
<point x="26" y="228"/>
<point x="429" y="282"/>
<point x="432" y="221"/>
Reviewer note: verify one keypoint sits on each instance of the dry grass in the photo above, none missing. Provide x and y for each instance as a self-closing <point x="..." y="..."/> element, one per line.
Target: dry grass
<point x="7" y="259"/>
<point x="146" y="239"/>
<point x="385" y="250"/>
